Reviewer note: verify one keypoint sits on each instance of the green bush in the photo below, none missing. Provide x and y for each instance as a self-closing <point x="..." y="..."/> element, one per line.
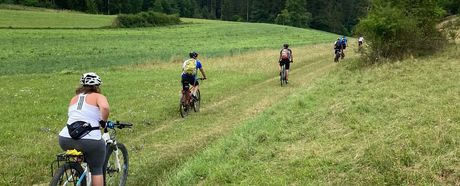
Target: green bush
<point x="397" y="29"/>
<point x="146" y="19"/>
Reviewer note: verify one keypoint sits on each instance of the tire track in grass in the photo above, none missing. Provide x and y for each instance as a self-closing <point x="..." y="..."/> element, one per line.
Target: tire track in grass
<point x="269" y="82"/>
<point x="176" y="140"/>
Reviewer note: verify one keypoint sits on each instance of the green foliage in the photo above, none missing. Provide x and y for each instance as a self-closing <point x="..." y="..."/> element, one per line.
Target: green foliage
<point x="451" y="6"/>
<point x="91" y="6"/>
<point x="146" y="19"/>
<point x="295" y="14"/>
<point x="397" y="29"/>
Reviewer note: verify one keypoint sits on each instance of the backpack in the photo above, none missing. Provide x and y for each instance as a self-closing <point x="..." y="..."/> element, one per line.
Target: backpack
<point x="190" y="67"/>
<point x="285" y="54"/>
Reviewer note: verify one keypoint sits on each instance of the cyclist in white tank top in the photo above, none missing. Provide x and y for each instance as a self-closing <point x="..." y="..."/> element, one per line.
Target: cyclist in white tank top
<point x="89" y="106"/>
<point x="82" y="111"/>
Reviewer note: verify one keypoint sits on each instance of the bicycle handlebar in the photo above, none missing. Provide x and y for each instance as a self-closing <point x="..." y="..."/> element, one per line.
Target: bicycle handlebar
<point x="118" y="124"/>
<point x="121" y="125"/>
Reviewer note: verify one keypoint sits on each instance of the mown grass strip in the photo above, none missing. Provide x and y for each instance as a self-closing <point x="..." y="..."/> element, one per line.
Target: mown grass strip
<point x="48" y="19"/>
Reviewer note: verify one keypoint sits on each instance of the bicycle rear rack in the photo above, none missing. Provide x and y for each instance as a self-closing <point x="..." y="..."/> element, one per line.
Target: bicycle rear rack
<point x="62" y="157"/>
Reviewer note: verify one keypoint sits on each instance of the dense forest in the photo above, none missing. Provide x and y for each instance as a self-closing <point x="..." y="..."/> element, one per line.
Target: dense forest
<point x="339" y="16"/>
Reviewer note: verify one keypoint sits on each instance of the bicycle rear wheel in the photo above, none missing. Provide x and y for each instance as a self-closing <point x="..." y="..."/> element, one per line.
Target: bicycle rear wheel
<point x="337" y="56"/>
<point x="196" y="103"/>
<point x="183" y="109"/>
<point x="116" y="165"/>
<point x="283" y="75"/>
<point x="68" y="174"/>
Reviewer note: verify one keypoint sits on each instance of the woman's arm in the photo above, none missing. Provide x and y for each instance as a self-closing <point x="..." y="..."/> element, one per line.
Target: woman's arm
<point x="103" y="105"/>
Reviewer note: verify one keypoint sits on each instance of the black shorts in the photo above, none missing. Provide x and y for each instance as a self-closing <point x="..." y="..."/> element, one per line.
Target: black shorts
<point x="285" y="63"/>
<point x="187" y="81"/>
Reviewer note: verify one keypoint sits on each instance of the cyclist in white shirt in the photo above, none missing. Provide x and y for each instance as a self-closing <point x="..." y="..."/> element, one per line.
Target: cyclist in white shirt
<point x="88" y="107"/>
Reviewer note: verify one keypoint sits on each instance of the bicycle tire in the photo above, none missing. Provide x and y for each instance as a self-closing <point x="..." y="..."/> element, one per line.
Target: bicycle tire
<point x="337" y="56"/>
<point x="283" y="75"/>
<point x="112" y="176"/>
<point x="64" y="172"/>
<point x="196" y="103"/>
<point x="182" y="107"/>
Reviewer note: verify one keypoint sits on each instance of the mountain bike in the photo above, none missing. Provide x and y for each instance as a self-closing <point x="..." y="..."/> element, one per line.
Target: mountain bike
<point x="73" y="169"/>
<point x="186" y="102"/>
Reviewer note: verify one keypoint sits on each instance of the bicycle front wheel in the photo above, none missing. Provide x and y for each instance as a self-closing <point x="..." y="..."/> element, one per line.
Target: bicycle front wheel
<point x="196" y="103"/>
<point x="68" y="174"/>
<point x="116" y="165"/>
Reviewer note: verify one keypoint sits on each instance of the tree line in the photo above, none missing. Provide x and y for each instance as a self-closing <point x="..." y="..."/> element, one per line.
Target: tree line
<point x="338" y="16"/>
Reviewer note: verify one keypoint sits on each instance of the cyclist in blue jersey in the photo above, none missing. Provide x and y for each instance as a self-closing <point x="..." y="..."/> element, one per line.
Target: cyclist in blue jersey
<point x="189" y="73"/>
<point x="344" y="42"/>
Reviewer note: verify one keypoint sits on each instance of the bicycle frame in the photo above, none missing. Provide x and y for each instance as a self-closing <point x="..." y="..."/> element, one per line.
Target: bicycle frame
<point x="86" y="173"/>
<point x="109" y="141"/>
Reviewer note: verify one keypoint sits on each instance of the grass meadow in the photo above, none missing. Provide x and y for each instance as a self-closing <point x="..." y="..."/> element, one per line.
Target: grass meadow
<point x="334" y="124"/>
<point x="61" y="50"/>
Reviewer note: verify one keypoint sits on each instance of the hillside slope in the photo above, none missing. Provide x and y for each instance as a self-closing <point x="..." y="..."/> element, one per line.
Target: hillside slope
<point x="395" y="124"/>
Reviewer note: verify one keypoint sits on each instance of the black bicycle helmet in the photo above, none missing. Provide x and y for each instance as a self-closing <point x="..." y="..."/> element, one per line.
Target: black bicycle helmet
<point x="286" y="45"/>
<point x="193" y="54"/>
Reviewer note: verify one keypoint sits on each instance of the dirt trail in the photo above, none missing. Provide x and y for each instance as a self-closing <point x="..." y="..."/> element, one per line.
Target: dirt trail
<point x="160" y="151"/>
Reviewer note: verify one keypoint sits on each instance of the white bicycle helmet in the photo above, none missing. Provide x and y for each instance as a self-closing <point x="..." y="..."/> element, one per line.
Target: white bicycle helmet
<point x="90" y="78"/>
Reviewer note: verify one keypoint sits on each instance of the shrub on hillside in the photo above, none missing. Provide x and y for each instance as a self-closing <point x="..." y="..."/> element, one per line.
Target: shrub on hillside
<point x="396" y="29"/>
<point x="146" y="19"/>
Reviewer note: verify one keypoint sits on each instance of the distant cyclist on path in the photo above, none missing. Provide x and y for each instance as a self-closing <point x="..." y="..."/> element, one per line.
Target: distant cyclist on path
<point x="189" y="73"/>
<point x="360" y="40"/>
<point x="337" y="49"/>
<point x="285" y="59"/>
<point x="344" y="43"/>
